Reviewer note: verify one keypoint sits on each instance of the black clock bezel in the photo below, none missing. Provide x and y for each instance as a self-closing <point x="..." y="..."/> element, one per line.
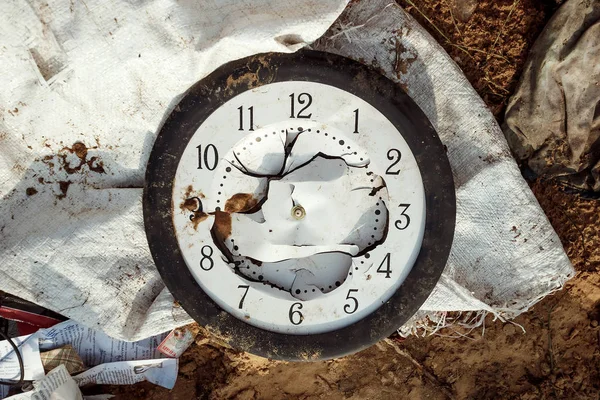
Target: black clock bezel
<point x="236" y="77"/>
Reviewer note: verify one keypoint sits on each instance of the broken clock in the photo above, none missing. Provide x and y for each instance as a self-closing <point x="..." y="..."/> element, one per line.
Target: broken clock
<point x="299" y="206"/>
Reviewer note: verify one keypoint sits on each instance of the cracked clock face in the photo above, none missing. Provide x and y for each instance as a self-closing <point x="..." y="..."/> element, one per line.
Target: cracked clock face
<point x="292" y="202"/>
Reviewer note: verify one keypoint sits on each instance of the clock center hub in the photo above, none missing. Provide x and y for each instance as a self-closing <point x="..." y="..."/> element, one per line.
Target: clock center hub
<point x="298" y="212"/>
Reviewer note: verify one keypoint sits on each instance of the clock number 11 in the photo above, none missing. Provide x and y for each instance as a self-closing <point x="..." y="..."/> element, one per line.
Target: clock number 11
<point x="251" y="113"/>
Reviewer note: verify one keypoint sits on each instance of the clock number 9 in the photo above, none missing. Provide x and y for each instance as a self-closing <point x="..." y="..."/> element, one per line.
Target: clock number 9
<point x="206" y="255"/>
<point x="348" y="309"/>
<point x="297" y="315"/>
<point x="302" y="98"/>
<point x="209" y="164"/>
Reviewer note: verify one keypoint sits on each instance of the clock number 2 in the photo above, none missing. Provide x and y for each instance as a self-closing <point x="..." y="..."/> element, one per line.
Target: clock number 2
<point x="244" y="295"/>
<point x="385" y="263"/>
<point x="296" y="316"/>
<point x="302" y="98"/>
<point x="349" y="308"/>
<point x="209" y="162"/>
<point x="207" y="253"/>
<point x="391" y="155"/>
<point x="399" y="224"/>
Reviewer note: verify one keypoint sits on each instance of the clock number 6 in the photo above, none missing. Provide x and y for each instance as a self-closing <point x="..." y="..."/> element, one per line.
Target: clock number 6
<point x="293" y="314"/>
<point x="302" y="98"/>
<point x="348" y="309"/>
<point x="244" y="296"/>
<point x="398" y="223"/>
<point x="206" y="255"/>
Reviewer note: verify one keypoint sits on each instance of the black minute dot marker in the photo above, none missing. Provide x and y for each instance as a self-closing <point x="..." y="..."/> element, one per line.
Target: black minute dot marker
<point x="228" y="169"/>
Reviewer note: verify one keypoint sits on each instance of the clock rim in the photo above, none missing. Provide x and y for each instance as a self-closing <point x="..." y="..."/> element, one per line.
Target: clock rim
<point x="207" y="95"/>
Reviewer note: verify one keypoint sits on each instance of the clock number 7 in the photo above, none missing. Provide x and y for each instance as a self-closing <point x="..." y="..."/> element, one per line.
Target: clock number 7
<point x="244" y="296"/>
<point x="388" y="270"/>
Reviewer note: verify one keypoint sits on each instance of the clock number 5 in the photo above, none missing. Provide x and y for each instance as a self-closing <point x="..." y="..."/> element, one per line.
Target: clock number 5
<point x="302" y="99"/>
<point x="348" y="308"/>
<point x="399" y="223"/>
<point x="244" y="296"/>
<point x="209" y="162"/>
<point x="296" y="316"/>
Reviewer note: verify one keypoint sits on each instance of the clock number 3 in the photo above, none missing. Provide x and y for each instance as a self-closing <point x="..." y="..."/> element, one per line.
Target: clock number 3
<point x="206" y="263"/>
<point x="399" y="223"/>
<point x="302" y="99"/>
<point x="296" y="316"/>
<point x="349" y="308"/>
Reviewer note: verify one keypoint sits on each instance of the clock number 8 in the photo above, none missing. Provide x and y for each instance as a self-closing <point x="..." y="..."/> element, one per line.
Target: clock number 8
<point x="295" y="313"/>
<point x="206" y="255"/>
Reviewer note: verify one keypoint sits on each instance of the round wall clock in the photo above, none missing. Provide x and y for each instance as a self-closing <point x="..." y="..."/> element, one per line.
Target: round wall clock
<point x="300" y="206"/>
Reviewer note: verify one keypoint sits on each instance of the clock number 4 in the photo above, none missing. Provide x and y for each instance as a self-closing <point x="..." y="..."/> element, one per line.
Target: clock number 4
<point x="246" y="287"/>
<point x="210" y="156"/>
<point x="303" y="98"/>
<point x="385" y="264"/>
<point x="296" y="316"/>
<point x="351" y="308"/>
<point x="251" y="114"/>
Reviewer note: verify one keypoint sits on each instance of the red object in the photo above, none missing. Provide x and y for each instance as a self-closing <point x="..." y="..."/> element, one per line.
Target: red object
<point x="27" y="322"/>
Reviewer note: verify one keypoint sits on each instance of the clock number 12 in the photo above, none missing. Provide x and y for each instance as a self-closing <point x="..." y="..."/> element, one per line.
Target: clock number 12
<point x="302" y="99"/>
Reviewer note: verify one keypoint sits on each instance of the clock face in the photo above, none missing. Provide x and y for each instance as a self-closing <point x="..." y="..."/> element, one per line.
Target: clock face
<point x="292" y="202"/>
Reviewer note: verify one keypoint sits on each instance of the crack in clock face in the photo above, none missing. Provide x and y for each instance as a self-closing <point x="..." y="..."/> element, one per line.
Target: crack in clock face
<point x="294" y="207"/>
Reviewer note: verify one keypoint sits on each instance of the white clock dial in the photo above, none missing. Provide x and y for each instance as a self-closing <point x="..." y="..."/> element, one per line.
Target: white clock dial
<point x="298" y="207"/>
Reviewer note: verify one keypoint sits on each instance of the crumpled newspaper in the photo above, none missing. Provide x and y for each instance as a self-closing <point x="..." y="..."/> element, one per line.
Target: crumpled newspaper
<point x="86" y="86"/>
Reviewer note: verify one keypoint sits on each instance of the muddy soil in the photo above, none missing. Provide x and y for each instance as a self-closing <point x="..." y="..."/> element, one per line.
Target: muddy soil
<point x="552" y="351"/>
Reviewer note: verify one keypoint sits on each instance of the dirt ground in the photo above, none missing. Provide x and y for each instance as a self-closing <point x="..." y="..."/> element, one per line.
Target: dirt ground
<point x="555" y="355"/>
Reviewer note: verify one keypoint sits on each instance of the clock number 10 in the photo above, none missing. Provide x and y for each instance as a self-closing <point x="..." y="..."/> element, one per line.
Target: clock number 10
<point x="210" y="156"/>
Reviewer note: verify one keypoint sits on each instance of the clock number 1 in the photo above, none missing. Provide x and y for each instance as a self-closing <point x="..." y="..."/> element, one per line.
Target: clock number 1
<point x="296" y="316"/>
<point x="386" y="262"/>
<point x="251" y="112"/>
<point x="355" y="121"/>
<point x="244" y="296"/>
<point x="302" y="98"/>
<point x="209" y="162"/>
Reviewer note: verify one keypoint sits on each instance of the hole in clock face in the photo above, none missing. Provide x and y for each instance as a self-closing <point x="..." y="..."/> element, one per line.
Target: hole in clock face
<point x="296" y="208"/>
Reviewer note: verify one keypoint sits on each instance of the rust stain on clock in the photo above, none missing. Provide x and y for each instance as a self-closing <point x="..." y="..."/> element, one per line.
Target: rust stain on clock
<point x="240" y="202"/>
<point x="222" y="225"/>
